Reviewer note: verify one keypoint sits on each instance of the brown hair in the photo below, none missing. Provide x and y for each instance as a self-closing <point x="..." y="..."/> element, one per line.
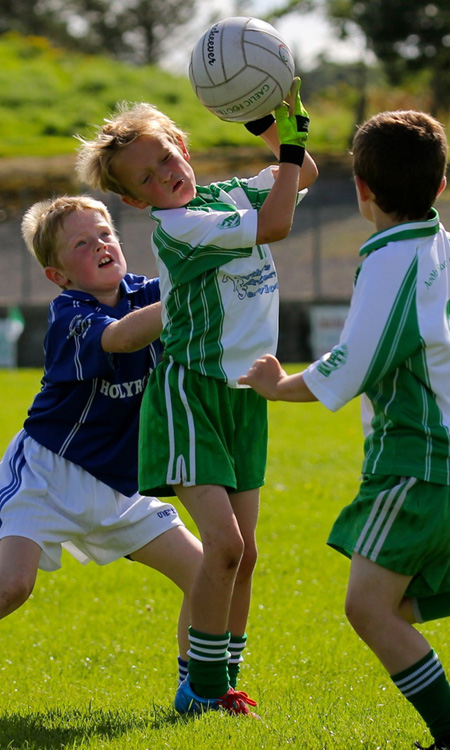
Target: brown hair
<point x="402" y="157"/>
<point x="43" y="222"/>
<point x="128" y="122"/>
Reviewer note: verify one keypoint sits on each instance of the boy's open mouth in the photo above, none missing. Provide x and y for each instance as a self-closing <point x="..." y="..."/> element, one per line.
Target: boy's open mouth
<point x="105" y="261"/>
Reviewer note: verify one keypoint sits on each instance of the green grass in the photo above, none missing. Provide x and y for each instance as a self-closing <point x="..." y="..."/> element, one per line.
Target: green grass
<point x="90" y="660"/>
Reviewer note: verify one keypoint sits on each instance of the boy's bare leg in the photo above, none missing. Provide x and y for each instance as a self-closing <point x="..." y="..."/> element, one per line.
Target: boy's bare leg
<point x="223" y="546"/>
<point x="210" y="507"/>
<point x="184" y="620"/>
<point x="19" y="560"/>
<point x="373" y="608"/>
<point x="406" y="610"/>
<point x="246" y="509"/>
<point x="178" y="555"/>
<point x="374" y="599"/>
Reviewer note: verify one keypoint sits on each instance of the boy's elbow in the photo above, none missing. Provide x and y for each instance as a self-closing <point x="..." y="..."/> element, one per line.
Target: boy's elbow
<point x="281" y="232"/>
<point x="113" y="340"/>
<point x="273" y="233"/>
<point x="313" y="175"/>
<point x="308" y="174"/>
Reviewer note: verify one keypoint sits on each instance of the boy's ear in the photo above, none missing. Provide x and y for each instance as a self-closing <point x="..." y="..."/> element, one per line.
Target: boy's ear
<point x="443" y="185"/>
<point x="184" y="150"/>
<point x="363" y="189"/>
<point x="55" y="275"/>
<point x="134" y="202"/>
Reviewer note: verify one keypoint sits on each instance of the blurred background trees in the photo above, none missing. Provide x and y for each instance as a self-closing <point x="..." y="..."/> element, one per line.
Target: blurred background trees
<point x="130" y="30"/>
<point x="406" y="36"/>
<point x="64" y="62"/>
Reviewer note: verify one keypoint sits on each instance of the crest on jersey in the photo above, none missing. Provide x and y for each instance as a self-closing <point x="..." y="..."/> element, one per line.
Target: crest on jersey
<point x="78" y="326"/>
<point x="230" y="222"/>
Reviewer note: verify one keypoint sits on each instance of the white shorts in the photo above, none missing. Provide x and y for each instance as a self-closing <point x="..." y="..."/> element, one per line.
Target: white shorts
<point x="54" y="502"/>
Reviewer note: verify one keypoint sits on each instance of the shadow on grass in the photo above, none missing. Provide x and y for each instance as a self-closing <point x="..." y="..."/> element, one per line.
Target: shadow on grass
<point x="59" y="728"/>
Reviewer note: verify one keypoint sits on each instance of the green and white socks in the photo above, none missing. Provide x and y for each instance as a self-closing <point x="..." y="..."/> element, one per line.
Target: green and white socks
<point x="182" y="670"/>
<point x="214" y="662"/>
<point x="235" y="647"/>
<point x="208" y="663"/>
<point x="425" y="685"/>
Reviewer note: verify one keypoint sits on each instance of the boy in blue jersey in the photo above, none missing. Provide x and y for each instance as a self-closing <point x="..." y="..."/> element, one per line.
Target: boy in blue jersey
<point x="219" y="291"/>
<point x="69" y="478"/>
<point x="394" y="350"/>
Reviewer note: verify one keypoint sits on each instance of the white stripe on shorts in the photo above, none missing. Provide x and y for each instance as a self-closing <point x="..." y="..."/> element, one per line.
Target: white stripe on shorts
<point x="177" y="472"/>
<point x="387" y="506"/>
<point x="16" y="464"/>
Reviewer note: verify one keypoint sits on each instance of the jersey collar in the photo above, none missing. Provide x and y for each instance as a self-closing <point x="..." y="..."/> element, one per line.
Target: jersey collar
<point x="197" y="201"/>
<point x="407" y="231"/>
<point x="87" y="297"/>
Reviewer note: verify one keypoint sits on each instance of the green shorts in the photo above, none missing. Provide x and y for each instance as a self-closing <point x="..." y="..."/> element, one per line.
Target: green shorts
<point x="402" y="524"/>
<point x="196" y="430"/>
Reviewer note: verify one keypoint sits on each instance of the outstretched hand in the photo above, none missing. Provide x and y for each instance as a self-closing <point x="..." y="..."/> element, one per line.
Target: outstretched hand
<point x="264" y="376"/>
<point x="292" y="118"/>
<point x="292" y="124"/>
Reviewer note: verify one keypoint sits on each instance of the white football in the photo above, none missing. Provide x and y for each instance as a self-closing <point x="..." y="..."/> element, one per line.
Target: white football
<point x="241" y="69"/>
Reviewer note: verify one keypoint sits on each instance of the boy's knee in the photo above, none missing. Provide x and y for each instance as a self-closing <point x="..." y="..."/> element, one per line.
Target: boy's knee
<point x="13" y="593"/>
<point x="235" y="553"/>
<point x="248" y="562"/>
<point x="366" y="613"/>
<point x="226" y="550"/>
<point x="357" y="611"/>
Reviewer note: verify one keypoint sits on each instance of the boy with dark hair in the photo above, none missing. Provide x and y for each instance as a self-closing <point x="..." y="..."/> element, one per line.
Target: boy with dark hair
<point x="395" y="351"/>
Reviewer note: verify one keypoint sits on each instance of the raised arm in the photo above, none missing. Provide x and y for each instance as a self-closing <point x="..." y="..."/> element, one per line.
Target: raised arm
<point x="267" y="129"/>
<point x="308" y="172"/>
<point x="286" y="135"/>
<point x="134" y="331"/>
<point x="277" y="212"/>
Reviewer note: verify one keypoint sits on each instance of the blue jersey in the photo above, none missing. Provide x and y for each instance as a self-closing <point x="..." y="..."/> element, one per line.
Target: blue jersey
<point x="88" y="408"/>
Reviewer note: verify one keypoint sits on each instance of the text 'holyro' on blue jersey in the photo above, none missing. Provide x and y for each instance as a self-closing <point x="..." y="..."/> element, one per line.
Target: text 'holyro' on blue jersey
<point x="88" y="408"/>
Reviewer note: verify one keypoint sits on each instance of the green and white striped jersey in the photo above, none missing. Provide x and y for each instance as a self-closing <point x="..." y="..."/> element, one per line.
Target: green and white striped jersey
<point x="395" y="350"/>
<point x="219" y="290"/>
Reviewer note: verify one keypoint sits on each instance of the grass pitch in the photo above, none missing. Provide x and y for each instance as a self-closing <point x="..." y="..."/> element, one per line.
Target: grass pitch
<point x="90" y="660"/>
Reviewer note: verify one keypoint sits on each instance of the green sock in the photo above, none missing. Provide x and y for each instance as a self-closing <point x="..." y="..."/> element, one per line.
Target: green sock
<point x="426" y="687"/>
<point x="208" y="663"/>
<point x="235" y="647"/>
<point x="182" y="669"/>
<point x="431" y="607"/>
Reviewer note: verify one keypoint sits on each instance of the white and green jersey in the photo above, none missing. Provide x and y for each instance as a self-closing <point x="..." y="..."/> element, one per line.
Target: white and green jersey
<point x="395" y="349"/>
<point x="218" y="289"/>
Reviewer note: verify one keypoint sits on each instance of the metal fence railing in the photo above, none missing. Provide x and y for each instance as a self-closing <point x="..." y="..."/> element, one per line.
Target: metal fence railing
<point x="316" y="261"/>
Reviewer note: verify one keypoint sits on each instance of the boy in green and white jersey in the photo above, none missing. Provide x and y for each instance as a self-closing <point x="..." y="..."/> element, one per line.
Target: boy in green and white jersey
<point x="203" y="437"/>
<point x="394" y="350"/>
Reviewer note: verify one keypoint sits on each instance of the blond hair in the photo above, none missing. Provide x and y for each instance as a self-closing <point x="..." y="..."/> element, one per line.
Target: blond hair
<point x="127" y="122"/>
<point x="42" y="223"/>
